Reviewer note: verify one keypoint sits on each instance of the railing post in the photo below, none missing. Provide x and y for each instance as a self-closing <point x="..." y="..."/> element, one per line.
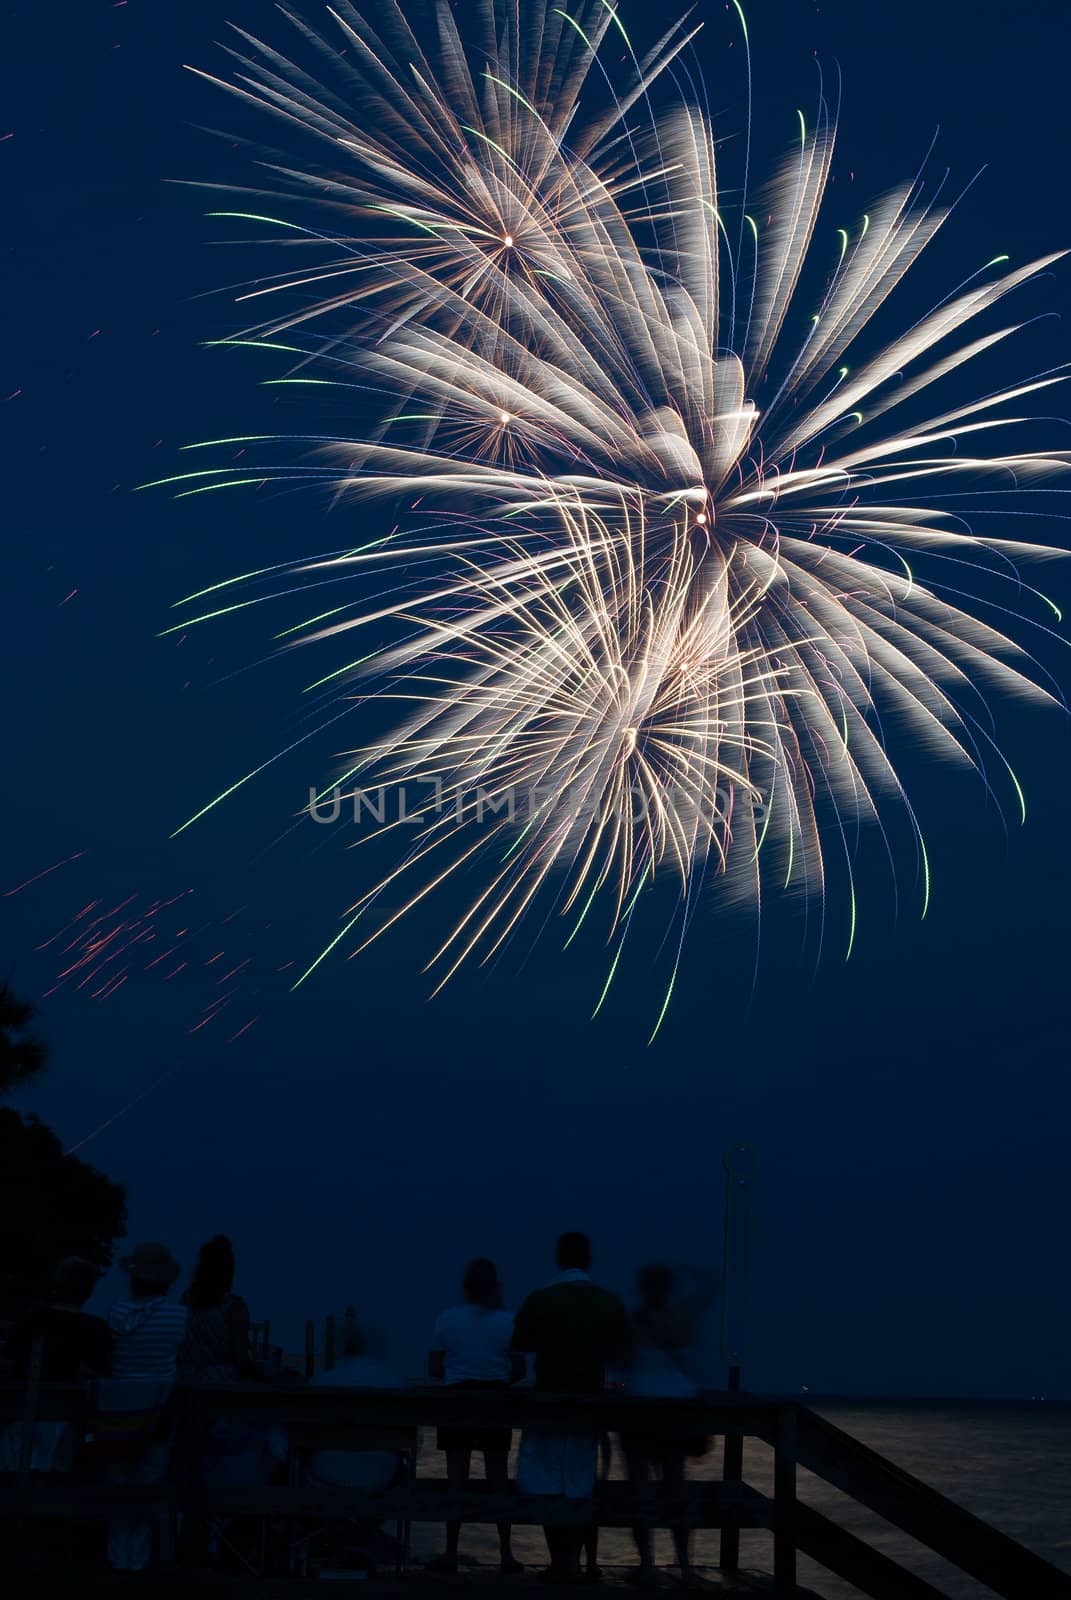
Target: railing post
<point x="785" y="1502"/>
<point x="17" y="1549"/>
<point x="740" y="1177"/>
<point x="732" y="1473"/>
<point x="310" y="1349"/>
<point x="29" y="1411"/>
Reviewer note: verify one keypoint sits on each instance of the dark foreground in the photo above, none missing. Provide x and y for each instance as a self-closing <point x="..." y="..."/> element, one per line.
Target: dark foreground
<point x="797" y="1441"/>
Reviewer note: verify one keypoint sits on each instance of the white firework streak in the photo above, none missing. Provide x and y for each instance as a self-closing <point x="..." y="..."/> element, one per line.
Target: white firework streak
<point x="672" y="584"/>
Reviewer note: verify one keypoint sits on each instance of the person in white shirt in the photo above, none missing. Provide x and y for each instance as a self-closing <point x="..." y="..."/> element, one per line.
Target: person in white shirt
<point x="471" y="1349"/>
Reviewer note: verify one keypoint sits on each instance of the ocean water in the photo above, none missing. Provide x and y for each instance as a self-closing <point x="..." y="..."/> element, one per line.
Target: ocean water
<point x="1009" y="1464"/>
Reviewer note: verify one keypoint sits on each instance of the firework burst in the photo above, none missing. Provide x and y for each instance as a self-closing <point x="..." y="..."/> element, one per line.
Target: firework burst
<point x="678" y="561"/>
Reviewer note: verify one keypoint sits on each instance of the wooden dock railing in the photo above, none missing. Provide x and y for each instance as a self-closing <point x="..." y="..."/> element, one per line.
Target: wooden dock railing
<point x="356" y="1419"/>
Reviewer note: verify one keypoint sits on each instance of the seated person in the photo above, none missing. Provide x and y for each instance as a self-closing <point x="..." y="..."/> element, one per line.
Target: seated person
<point x="356" y="1369"/>
<point x="74" y="1345"/>
<point x="354" y="1468"/>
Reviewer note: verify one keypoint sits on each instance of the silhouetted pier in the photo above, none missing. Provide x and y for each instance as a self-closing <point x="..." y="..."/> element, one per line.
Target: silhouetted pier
<point x="378" y="1419"/>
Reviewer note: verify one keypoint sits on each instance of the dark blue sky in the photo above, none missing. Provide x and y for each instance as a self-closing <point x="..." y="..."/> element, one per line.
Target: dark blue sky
<point x="909" y="1107"/>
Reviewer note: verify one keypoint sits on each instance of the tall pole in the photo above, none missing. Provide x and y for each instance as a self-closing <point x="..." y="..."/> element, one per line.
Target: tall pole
<point x="740" y="1164"/>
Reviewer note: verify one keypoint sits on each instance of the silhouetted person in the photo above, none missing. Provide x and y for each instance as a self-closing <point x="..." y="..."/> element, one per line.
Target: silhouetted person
<point x="664" y="1327"/>
<point x="575" y="1330"/>
<point x="216" y="1349"/>
<point x="147" y="1330"/>
<point x="471" y="1349"/>
<point x="216" y="1345"/>
<point x="74" y="1345"/>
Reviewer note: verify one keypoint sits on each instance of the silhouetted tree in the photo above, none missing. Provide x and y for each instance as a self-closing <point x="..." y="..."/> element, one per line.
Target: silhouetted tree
<point x="51" y="1205"/>
<point x="22" y="1053"/>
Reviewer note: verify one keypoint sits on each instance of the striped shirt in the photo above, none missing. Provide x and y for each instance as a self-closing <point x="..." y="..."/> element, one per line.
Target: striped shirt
<point x="147" y="1336"/>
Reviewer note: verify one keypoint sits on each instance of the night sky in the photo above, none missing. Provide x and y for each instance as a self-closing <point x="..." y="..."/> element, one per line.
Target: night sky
<point x="909" y="1107"/>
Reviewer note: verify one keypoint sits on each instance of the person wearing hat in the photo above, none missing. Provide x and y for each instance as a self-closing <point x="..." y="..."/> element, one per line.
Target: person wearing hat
<point x="147" y="1330"/>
